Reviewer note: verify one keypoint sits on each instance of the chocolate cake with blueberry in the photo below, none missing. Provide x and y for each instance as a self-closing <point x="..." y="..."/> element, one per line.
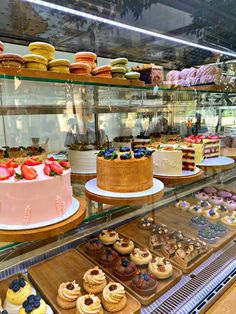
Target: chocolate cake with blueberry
<point x="125" y="269"/>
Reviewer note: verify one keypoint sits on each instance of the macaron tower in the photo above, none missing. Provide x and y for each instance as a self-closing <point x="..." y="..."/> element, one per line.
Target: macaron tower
<point x="11" y="60"/>
<point x="86" y="57"/>
<point x="59" y="65"/>
<point x="102" y="71"/>
<point x="119" y="67"/>
<point x="42" y="49"/>
<point x="80" y="68"/>
<point x="35" y="62"/>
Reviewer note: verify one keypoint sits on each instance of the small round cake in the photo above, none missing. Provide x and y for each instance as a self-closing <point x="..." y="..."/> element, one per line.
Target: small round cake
<point x="207" y="234"/>
<point x="108" y="258"/>
<point x="219" y="228"/>
<point x="125" y="269"/>
<point x="202" y="196"/>
<point x="229" y="220"/>
<point x="94" y="247"/>
<point x="141" y="256"/>
<point x="124" y="246"/>
<point x="183" y="205"/>
<point x="144" y="284"/>
<point x="216" y="200"/>
<point x="205" y="205"/>
<point x="145" y="223"/>
<point x="212" y="214"/>
<point x="108" y="236"/>
<point x="124" y="171"/>
<point x="196" y="209"/>
<point x="199" y="222"/>
<point x="210" y="190"/>
<point x="230" y="204"/>
<point x="160" y="268"/>
<point x="224" y="194"/>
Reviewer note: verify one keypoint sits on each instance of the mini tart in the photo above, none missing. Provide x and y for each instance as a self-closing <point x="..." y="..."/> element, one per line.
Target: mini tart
<point x="124" y="246"/>
<point x="35" y="62"/>
<point x="183" y="205"/>
<point x="89" y="304"/>
<point x="59" y="65"/>
<point x="230" y="204"/>
<point x="94" y="247"/>
<point x="216" y="200"/>
<point x="212" y="214"/>
<point x="80" y="68"/>
<point x="199" y="221"/>
<point x="108" y="236"/>
<point x="11" y="60"/>
<point x="108" y="258"/>
<point x="205" y="205"/>
<point x="219" y="228"/>
<point x="43" y="49"/>
<point x="125" y="269"/>
<point x="160" y="268"/>
<point x="196" y="209"/>
<point x="144" y="284"/>
<point x="202" y="196"/>
<point x="224" y="194"/>
<point x="68" y="293"/>
<point x="94" y="280"/>
<point x="114" y="297"/>
<point x="145" y="223"/>
<point x="207" y="234"/>
<point x="229" y="220"/>
<point x="141" y="256"/>
<point x="210" y="190"/>
<point x="222" y="209"/>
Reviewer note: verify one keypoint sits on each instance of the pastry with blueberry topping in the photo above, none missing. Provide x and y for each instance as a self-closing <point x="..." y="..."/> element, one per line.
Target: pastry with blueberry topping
<point x="94" y="247"/>
<point x="124" y="246"/>
<point x="125" y="269"/>
<point x="18" y="291"/>
<point x="183" y="205"/>
<point x="108" y="258"/>
<point x="89" y="304"/>
<point x="199" y="222"/>
<point x="212" y="213"/>
<point x="219" y="228"/>
<point x="68" y="293"/>
<point x="207" y="234"/>
<point x="34" y="304"/>
<point x="94" y="280"/>
<point x="205" y="205"/>
<point x="196" y="209"/>
<point x="108" y="236"/>
<point x="222" y="209"/>
<point x="144" y="284"/>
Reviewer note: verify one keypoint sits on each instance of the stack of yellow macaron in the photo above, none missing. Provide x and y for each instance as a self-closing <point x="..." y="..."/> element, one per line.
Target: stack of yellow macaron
<point x="42" y="49"/>
<point x="11" y="60"/>
<point x="35" y="62"/>
<point x="59" y="65"/>
<point x="86" y="57"/>
<point x="119" y="67"/>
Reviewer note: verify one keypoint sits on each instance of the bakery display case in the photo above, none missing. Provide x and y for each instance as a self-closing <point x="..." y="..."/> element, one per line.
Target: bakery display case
<point x="125" y="178"/>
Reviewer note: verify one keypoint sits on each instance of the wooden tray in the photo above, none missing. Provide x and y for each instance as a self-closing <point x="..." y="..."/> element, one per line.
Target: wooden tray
<point x="69" y="266"/>
<point x="163" y="285"/>
<point x="131" y="231"/>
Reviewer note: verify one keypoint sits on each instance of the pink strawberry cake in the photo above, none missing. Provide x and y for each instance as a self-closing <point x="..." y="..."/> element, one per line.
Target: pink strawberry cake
<point x="31" y="194"/>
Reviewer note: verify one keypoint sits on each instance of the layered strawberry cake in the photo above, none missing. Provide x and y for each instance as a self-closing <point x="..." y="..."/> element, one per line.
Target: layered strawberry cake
<point x="34" y="192"/>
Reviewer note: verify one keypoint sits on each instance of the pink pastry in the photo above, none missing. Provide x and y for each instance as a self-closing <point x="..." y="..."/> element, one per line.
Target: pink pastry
<point x="210" y="190"/>
<point x="216" y="200"/>
<point x="230" y="204"/>
<point x="225" y="194"/>
<point x="233" y="197"/>
<point x="202" y="196"/>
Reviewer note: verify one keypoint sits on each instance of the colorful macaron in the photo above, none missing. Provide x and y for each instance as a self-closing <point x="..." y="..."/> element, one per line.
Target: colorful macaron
<point x="1" y="47"/>
<point x="80" y="68"/>
<point x="59" y="65"/>
<point x="132" y="76"/>
<point x="11" y="60"/>
<point x="120" y="62"/>
<point x="118" y="72"/>
<point x="86" y="57"/>
<point x="102" y="71"/>
<point x="42" y="49"/>
<point x="35" y="62"/>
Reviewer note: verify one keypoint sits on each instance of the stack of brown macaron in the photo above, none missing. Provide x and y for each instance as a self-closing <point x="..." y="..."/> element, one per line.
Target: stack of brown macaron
<point x="11" y="60"/>
<point x="102" y="71"/>
<point x="85" y="63"/>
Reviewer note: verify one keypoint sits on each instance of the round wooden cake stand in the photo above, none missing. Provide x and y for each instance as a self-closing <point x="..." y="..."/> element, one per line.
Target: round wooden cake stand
<point x="177" y="180"/>
<point x="113" y="200"/>
<point x="80" y="178"/>
<point x="45" y="232"/>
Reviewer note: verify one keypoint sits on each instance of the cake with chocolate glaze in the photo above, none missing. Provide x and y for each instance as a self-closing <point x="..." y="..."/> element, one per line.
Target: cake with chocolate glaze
<point x="94" y="247"/>
<point x="125" y="269"/>
<point x="144" y="284"/>
<point x="108" y="257"/>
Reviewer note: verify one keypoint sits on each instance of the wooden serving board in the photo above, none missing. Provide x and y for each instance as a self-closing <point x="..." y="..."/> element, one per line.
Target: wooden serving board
<point x="131" y="231"/>
<point x="71" y="265"/>
<point x="162" y="287"/>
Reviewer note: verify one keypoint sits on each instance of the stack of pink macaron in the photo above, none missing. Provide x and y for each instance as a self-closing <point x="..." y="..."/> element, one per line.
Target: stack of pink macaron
<point x="205" y="74"/>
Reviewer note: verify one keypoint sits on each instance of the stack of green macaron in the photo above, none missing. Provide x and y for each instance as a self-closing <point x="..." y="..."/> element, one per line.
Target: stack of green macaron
<point x="132" y="76"/>
<point x="119" y="67"/>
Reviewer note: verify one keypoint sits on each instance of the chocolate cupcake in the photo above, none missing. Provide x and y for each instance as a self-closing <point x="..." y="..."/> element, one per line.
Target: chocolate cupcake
<point x="108" y="258"/>
<point x="125" y="269"/>
<point x="94" y="247"/>
<point x="144" y="284"/>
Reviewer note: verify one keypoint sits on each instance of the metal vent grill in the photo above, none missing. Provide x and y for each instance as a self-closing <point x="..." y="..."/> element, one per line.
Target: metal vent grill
<point x="196" y="284"/>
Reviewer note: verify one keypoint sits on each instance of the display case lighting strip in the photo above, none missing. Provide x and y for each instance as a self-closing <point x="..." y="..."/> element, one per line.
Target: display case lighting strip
<point x="127" y="26"/>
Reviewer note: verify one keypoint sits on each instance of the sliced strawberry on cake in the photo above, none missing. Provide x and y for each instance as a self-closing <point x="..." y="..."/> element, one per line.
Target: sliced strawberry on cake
<point x="32" y="161"/>
<point x="56" y="167"/>
<point x="4" y="173"/>
<point x="28" y="173"/>
<point x="64" y="164"/>
<point x="11" y="163"/>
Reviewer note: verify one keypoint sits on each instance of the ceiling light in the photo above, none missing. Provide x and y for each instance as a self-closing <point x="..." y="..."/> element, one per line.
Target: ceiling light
<point x="128" y="27"/>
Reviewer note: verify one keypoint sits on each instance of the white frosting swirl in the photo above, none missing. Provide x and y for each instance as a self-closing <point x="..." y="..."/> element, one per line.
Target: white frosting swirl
<point x="113" y="296"/>
<point x="94" y="279"/>
<point x="67" y="294"/>
<point x="93" y="308"/>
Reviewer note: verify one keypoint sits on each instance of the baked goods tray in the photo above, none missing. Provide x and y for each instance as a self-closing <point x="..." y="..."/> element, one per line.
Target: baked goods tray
<point x="71" y="265"/>
<point x="175" y="218"/>
<point x="163" y="285"/>
<point x="141" y="236"/>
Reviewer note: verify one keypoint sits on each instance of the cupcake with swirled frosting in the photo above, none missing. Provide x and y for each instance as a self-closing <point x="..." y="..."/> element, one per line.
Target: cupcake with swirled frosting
<point x="94" y="280"/>
<point x="114" y="297"/>
<point x="89" y="304"/>
<point x="68" y="293"/>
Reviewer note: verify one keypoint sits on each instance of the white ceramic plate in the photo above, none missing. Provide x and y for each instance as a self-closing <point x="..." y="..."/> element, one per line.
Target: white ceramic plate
<point x="91" y="186"/>
<point x="73" y="209"/>
<point x="216" y="161"/>
<point x="185" y="173"/>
